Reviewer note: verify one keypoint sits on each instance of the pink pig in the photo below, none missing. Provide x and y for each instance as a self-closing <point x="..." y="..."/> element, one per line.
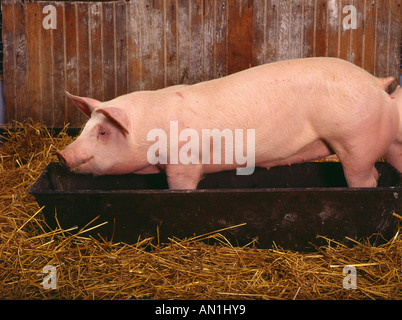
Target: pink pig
<point x="394" y="152"/>
<point x="300" y="110"/>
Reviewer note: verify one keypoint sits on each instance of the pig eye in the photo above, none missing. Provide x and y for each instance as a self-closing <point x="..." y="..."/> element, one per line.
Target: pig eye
<point x="102" y="133"/>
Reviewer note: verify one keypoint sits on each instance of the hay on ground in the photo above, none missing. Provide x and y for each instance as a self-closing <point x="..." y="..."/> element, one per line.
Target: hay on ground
<point x="182" y="269"/>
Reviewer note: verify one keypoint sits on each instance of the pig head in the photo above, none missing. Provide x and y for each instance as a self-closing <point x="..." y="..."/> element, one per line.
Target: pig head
<point x="98" y="150"/>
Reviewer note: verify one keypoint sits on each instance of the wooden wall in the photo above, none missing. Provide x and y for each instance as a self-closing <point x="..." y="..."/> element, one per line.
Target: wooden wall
<point x="107" y="48"/>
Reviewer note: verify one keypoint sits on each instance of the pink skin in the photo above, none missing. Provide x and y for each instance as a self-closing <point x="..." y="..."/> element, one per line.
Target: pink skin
<point x="394" y="153"/>
<point x="301" y="110"/>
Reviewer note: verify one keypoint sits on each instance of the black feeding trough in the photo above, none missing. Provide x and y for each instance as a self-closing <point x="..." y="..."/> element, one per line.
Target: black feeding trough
<point x="286" y="205"/>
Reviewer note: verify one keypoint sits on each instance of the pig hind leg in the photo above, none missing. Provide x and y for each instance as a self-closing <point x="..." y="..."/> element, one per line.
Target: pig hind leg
<point x="358" y="165"/>
<point x="360" y="148"/>
<point x="361" y="178"/>
<point x="394" y="156"/>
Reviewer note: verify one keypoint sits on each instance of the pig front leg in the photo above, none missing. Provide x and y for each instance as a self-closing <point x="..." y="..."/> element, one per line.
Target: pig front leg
<point x="183" y="177"/>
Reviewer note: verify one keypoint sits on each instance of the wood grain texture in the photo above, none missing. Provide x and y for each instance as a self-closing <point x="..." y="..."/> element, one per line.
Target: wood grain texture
<point x="103" y="49"/>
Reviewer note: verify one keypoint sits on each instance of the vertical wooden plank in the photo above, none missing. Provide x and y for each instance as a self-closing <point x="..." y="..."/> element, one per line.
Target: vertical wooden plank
<point x="108" y="45"/>
<point x="240" y="36"/>
<point x="320" y="41"/>
<point x="196" y="72"/>
<point x="208" y="25"/>
<point x="345" y="39"/>
<point x="395" y="39"/>
<point x="152" y="56"/>
<point x="46" y="44"/>
<point x="112" y="51"/>
<point x="357" y="38"/>
<point x="308" y="28"/>
<point x="296" y="29"/>
<point x="71" y="72"/>
<point x="272" y="30"/>
<point x="334" y="28"/>
<point x="259" y="32"/>
<point x="183" y="41"/>
<point x="84" y="79"/>
<point x="96" y="50"/>
<point x="284" y="28"/>
<point x="59" y="67"/>
<point x="121" y="49"/>
<point x="369" y="35"/>
<point x="170" y="27"/>
<point x="9" y="60"/>
<point x="33" y="53"/>
<point x="21" y="80"/>
<point x="221" y="38"/>
<point x="382" y="38"/>
<point x="266" y="31"/>
<point x="134" y="47"/>
<point x="157" y="45"/>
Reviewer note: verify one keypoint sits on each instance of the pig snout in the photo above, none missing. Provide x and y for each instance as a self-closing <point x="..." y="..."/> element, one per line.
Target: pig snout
<point x="73" y="162"/>
<point x="62" y="158"/>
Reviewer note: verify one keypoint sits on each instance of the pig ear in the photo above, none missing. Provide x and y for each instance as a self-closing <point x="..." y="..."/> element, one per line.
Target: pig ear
<point x="86" y="105"/>
<point x="118" y="116"/>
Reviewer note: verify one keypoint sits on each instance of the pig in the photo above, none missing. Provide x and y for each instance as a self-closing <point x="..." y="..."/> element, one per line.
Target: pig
<point x="300" y="110"/>
<point x="394" y="152"/>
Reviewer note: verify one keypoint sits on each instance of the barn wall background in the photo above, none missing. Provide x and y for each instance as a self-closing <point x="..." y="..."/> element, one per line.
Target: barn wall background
<point x="2" y="104"/>
<point x="103" y="49"/>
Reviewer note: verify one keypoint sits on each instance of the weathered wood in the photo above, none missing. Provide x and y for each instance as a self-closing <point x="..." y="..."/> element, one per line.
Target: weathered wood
<point x="107" y="48"/>
<point x="320" y="41"/>
<point x="121" y="54"/>
<point x="71" y="62"/>
<point x="58" y="72"/>
<point x="382" y="38"/>
<point x="395" y="30"/>
<point x="240" y="36"/>
<point x="334" y="29"/>
<point x="346" y="36"/>
<point x="357" y="35"/>
<point x="83" y="56"/>
<point x="220" y="38"/>
<point x="9" y="60"/>
<point x="34" y="94"/>
<point x="369" y="36"/>
<point x="308" y="28"/>
<point x="20" y="51"/>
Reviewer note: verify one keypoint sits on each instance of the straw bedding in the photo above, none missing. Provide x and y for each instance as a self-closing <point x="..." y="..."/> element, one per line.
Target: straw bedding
<point x="90" y="268"/>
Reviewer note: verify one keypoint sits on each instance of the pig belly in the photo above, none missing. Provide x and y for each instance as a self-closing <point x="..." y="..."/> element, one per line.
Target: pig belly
<point x="313" y="151"/>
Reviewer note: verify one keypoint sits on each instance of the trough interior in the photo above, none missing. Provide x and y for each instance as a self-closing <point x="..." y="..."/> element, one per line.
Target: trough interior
<point x="306" y="175"/>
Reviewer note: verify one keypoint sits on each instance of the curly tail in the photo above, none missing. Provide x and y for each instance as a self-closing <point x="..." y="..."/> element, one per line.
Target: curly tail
<point x="385" y="82"/>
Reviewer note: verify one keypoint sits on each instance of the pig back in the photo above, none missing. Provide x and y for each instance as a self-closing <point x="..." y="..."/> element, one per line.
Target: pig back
<point x="284" y="97"/>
